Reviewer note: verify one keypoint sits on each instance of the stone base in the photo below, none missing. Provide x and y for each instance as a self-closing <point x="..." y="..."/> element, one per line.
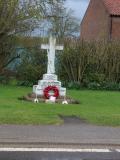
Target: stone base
<point x="48" y="80"/>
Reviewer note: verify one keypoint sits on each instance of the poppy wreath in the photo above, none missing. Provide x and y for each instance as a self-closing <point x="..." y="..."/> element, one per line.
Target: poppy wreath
<point x="51" y="88"/>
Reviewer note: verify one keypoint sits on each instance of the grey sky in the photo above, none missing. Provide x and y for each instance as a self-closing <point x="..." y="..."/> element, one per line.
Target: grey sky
<point x="79" y="7"/>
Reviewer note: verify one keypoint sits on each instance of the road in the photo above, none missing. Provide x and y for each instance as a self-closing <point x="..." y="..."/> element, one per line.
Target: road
<point x="59" y="134"/>
<point x="56" y="154"/>
<point x="67" y="136"/>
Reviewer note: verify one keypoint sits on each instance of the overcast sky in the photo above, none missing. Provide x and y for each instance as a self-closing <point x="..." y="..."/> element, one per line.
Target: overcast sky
<point x="79" y="7"/>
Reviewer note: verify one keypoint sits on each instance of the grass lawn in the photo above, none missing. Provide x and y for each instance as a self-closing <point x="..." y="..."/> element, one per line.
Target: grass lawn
<point x="97" y="107"/>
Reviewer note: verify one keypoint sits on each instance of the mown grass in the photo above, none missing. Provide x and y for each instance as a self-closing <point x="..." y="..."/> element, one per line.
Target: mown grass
<point x="97" y="107"/>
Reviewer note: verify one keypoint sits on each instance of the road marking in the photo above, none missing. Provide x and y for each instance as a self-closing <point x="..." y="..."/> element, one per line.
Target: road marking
<point x="117" y="150"/>
<point x="54" y="150"/>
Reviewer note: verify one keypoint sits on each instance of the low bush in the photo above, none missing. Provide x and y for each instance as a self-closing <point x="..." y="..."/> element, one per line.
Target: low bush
<point x="25" y="83"/>
<point x="111" y="86"/>
<point x="94" y="86"/>
<point x="74" y="85"/>
<point x="3" y="79"/>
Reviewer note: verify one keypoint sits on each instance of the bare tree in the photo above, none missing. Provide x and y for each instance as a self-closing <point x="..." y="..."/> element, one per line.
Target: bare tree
<point x="62" y="22"/>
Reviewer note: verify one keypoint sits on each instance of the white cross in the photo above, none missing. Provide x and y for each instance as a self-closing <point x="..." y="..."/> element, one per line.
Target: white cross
<point x="51" y="47"/>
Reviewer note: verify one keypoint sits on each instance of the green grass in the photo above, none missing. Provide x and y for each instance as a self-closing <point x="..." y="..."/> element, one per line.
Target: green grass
<point x="97" y="107"/>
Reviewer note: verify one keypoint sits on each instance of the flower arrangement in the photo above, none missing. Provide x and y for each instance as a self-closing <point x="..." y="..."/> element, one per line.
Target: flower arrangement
<point x="48" y="89"/>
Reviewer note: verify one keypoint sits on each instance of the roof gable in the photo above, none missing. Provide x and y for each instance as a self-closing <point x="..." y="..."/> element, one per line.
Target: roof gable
<point x="113" y="7"/>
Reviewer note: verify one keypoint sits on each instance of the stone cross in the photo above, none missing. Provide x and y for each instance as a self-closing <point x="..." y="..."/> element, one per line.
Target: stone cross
<point x="51" y="47"/>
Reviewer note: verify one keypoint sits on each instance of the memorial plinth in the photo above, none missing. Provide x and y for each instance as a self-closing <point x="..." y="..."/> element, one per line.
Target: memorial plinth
<point x="48" y="80"/>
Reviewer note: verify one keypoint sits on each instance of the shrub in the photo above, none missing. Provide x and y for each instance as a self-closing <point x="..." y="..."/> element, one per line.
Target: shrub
<point x="94" y="86"/>
<point x="32" y="67"/>
<point x="111" y="86"/>
<point x="74" y="85"/>
<point x="13" y="81"/>
<point x="4" y="79"/>
<point x="25" y="83"/>
<point x="91" y="64"/>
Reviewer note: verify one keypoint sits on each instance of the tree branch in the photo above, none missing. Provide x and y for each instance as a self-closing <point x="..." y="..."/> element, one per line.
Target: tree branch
<point x="11" y="60"/>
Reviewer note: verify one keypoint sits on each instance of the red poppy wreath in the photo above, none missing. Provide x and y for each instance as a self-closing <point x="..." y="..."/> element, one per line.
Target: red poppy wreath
<point x="49" y="89"/>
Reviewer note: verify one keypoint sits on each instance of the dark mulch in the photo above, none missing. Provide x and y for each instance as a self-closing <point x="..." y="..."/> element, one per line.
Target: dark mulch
<point x="32" y="96"/>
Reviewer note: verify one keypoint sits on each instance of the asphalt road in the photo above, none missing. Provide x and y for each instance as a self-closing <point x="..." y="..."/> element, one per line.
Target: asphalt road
<point x="59" y="156"/>
<point x="63" y="134"/>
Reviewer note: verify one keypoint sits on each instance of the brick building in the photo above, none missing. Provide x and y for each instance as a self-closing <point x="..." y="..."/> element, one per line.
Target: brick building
<point x="101" y="20"/>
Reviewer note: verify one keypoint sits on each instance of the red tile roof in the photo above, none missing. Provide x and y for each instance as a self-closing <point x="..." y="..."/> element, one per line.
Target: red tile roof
<point x="113" y="6"/>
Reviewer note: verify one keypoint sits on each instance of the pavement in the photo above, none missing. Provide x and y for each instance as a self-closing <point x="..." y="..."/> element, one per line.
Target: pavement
<point x="74" y="135"/>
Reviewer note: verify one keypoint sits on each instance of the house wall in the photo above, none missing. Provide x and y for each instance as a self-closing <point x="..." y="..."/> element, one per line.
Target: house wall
<point x="115" y="33"/>
<point x="95" y="24"/>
